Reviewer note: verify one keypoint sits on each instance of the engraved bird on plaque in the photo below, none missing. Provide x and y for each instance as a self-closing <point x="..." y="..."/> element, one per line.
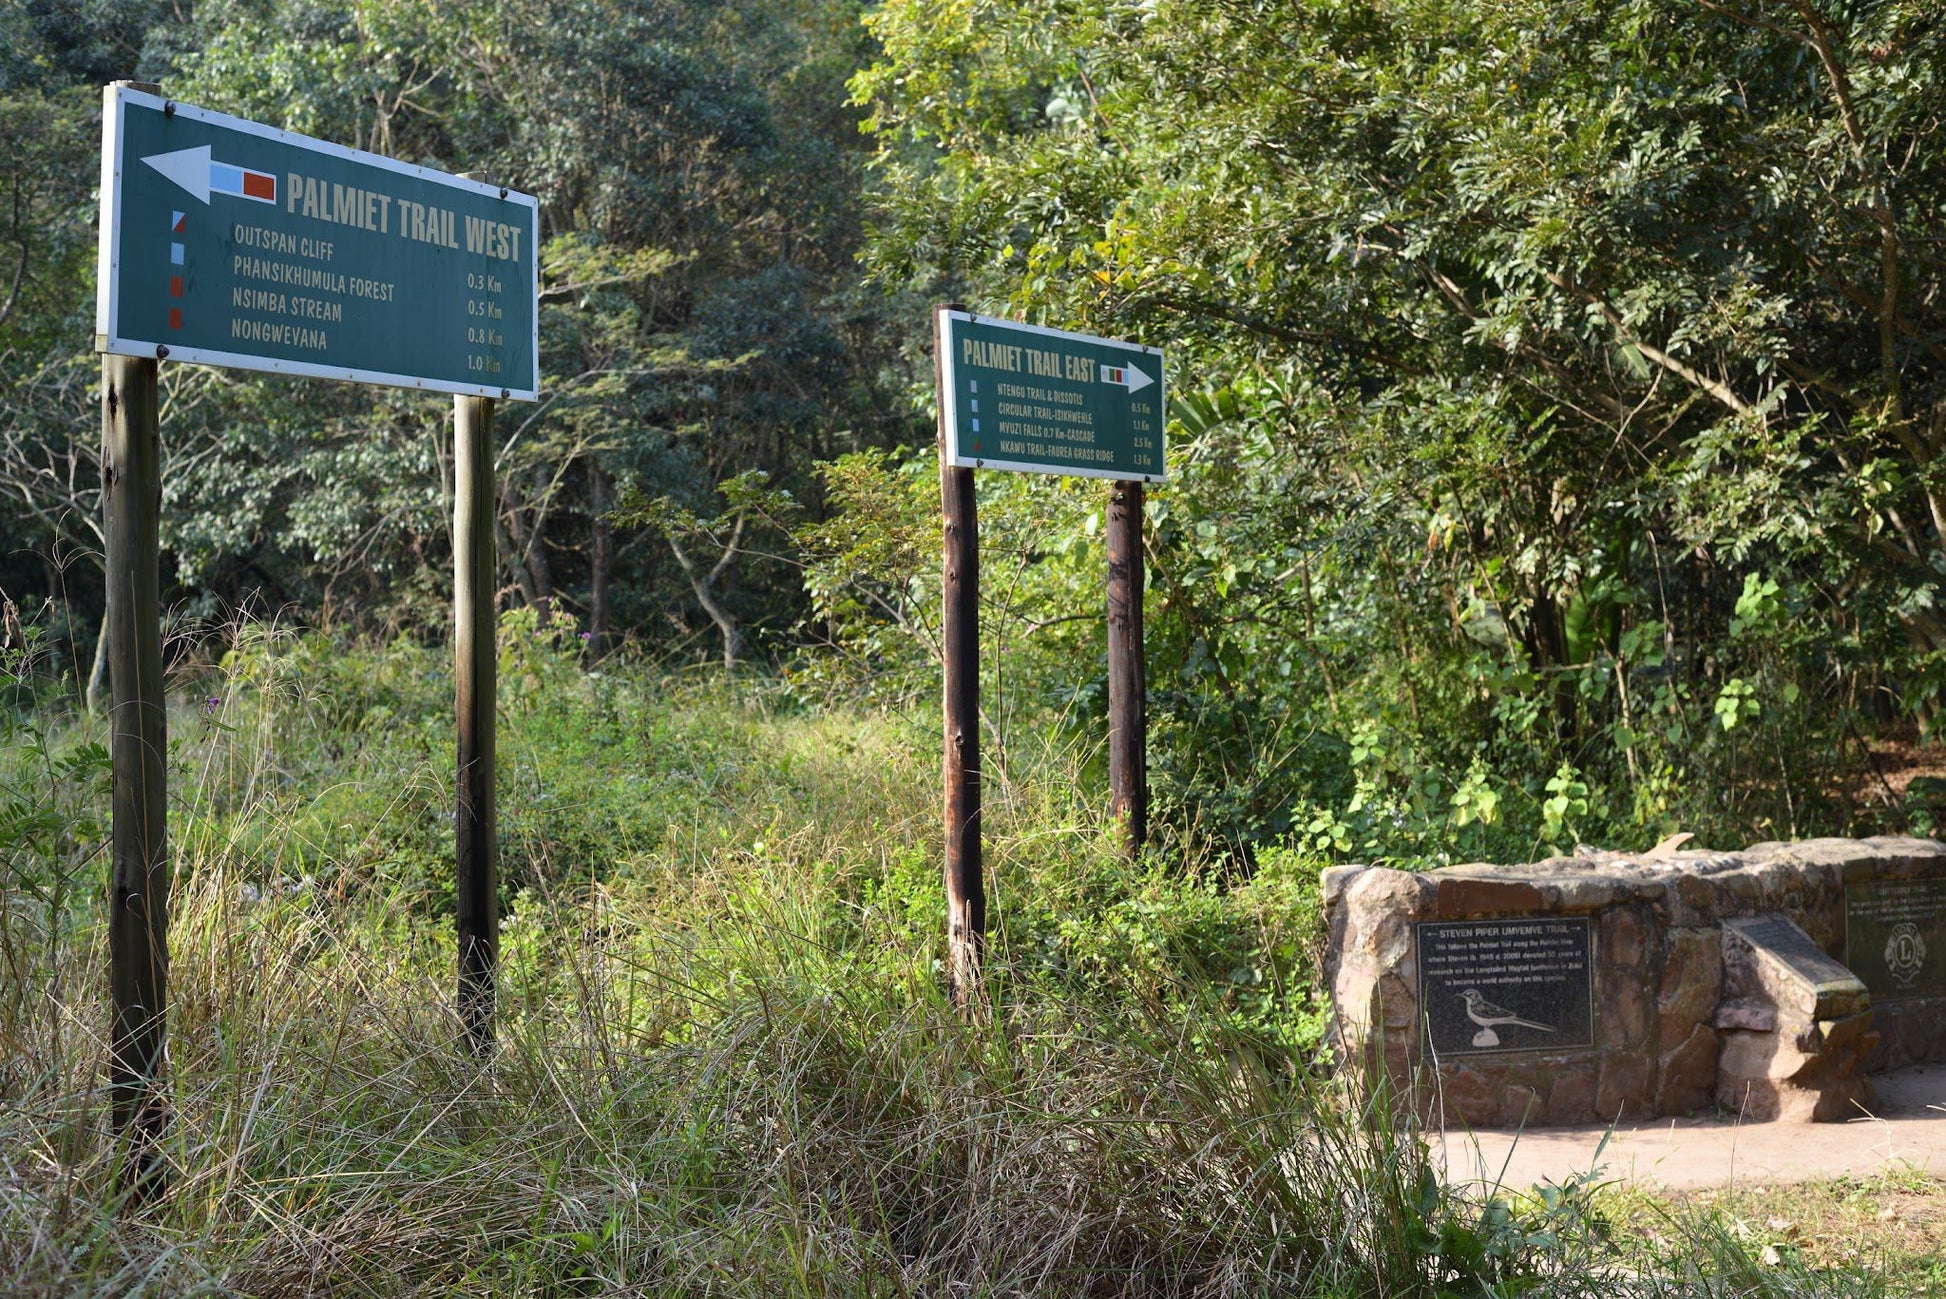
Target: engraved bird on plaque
<point x="1489" y="1017"/>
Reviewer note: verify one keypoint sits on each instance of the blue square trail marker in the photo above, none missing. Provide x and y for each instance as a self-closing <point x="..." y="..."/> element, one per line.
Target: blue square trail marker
<point x="232" y="243"/>
<point x="1048" y="401"/>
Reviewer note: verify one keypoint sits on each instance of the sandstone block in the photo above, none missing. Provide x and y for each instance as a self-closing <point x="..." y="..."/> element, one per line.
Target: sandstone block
<point x="1398" y="1002"/>
<point x="1686" y="1075"/>
<point x="1745" y="1014"/>
<point x="1692" y="984"/>
<point x="1626" y="1086"/>
<point x="1911" y="1032"/>
<point x="1696" y="901"/>
<point x="1467" y="899"/>
<point x="1766" y="1076"/>
<point x="1469" y="1098"/>
<point x="1520" y="1105"/>
<point x="1622" y="1011"/>
<point x="1809" y="1066"/>
<point x="1624" y="938"/>
<point x="1571" y="1098"/>
<point x="1332" y="881"/>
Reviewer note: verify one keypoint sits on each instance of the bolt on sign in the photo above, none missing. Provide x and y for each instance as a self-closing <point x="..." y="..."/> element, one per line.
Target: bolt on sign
<point x="227" y="242"/>
<point x="1049" y="401"/>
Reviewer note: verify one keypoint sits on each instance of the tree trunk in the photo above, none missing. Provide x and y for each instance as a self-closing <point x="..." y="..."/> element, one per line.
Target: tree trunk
<point x="510" y="537"/>
<point x="701" y="583"/>
<point x="98" y="673"/>
<point x="1548" y="654"/>
<point x="602" y="562"/>
<point x="1925" y="634"/>
<point x="537" y="561"/>
<point x="725" y="621"/>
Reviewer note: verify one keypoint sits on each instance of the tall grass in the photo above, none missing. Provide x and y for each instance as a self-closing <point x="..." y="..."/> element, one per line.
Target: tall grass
<point x="725" y="1063"/>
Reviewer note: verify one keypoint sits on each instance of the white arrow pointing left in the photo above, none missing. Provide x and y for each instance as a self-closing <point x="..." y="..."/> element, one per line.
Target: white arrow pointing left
<point x="189" y="168"/>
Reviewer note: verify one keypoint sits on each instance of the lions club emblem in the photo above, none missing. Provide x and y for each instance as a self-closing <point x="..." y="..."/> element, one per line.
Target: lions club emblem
<point x="1905" y="952"/>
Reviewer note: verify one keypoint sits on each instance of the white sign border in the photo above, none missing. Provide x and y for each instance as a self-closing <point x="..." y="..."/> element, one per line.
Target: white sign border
<point x="949" y="409"/>
<point x="108" y="338"/>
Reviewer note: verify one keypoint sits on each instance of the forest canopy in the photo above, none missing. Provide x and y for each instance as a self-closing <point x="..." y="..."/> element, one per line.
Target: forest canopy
<point x="698" y="170"/>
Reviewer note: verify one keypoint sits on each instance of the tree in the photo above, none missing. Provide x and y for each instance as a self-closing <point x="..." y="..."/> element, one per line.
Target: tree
<point x="708" y="548"/>
<point x="1552" y="320"/>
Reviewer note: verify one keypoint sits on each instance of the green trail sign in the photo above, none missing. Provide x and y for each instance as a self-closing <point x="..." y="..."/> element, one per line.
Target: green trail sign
<point x="1016" y="396"/>
<point x="226" y="242"/>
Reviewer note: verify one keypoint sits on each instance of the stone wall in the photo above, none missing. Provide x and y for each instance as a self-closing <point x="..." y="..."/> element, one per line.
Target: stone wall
<point x="1650" y="1005"/>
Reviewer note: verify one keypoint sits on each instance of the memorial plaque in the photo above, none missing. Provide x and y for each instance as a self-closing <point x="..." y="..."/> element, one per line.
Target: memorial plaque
<point x="1519" y="984"/>
<point x="1895" y="937"/>
<point x="1779" y="937"/>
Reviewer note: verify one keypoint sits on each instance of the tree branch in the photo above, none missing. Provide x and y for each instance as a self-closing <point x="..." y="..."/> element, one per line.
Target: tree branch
<point x="1722" y="392"/>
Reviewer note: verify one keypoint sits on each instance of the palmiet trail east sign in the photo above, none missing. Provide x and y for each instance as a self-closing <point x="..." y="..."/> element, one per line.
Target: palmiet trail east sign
<point x="226" y="242"/>
<point x="1024" y="397"/>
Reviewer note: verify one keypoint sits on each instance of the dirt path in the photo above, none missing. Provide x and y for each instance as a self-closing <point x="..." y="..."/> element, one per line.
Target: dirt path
<point x="1906" y="1132"/>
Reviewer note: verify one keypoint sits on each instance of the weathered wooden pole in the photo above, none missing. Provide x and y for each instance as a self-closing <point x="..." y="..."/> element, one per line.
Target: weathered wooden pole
<point x="138" y="924"/>
<point x="966" y="903"/>
<point x="476" y="840"/>
<point x="139" y="875"/>
<point x="1128" y="718"/>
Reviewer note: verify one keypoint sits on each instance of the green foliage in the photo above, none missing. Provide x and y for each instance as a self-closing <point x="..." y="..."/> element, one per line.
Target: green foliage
<point x="870" y="570"/>
<point x="53" y="823"/>
<point x="1558" y="387"/>
<point x="314" y="764"/>
<point x="706" y="547"/>
<point x="726" y="1062"/>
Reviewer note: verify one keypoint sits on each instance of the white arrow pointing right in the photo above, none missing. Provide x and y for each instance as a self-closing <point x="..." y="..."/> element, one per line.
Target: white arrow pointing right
<point x="189" y="168"/>
<point x="1126" y="376"/>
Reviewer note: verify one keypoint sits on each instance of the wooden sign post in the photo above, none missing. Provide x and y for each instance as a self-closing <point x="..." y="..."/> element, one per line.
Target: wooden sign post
<point x="966" y="902"/>
<point x="139" y="876"/>
<point x="476" y="844"/>
<point x="1021" y="397"/>
<point x="1128" y="714"/>
<point x="409" y="278"/>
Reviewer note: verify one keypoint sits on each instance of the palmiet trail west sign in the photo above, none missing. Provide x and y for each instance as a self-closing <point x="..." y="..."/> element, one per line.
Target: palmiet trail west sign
<point x="1024" y="397"/>
<point x="227" y="242"/>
